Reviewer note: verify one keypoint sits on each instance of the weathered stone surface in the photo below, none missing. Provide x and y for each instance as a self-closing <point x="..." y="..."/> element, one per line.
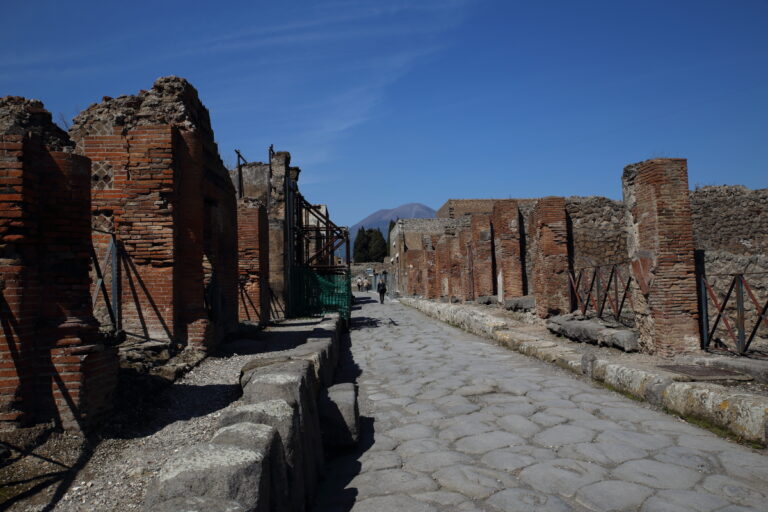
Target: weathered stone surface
<point x="526" y="500"/>
<point x="562" y="476"/>
<point x="474" y="482"/>
<point x="395" y="502"/>
<point x="389" y="481"/>
<point x="339" y="415"/>
<point x="656" y="474"/>
<point x="613" y="495"/>
<point x="482" y="443"/>
<point x="212" y="471"/>
<point x="197" y="504"/>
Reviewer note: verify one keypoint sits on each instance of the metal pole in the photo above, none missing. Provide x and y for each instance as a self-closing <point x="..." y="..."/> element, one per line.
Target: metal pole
<point x="116" y="285"/>
<point x="740" y="313"/>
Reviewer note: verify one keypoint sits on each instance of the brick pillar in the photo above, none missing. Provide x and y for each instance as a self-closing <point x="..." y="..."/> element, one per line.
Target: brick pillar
<point x="661" y="251"/>
<point x="253" y="262"/>
<point x="482" y="255"/>
<point x="432" y="284"/>
<point x="506" y="243"/>
<point x="443" y="266"/>
<point x="466" y="270"/>
<point x="414" y="264"/>
<point x="52" y="365"/>
<point x="456" y="264"/>
<point x="549" y="235"/>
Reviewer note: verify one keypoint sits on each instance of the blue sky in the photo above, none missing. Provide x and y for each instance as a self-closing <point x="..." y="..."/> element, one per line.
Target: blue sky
<point x="385" y="102"/>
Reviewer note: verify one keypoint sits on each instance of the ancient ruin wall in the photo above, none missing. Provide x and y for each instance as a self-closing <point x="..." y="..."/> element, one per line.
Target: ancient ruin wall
<point x="661" y="251"/>
<point x="53" y="363"/>
<point x="597" y="234"/>
<point x="458" y="208"/>
<point x="159" y="183"/>
<point x="482" y="256"/>
<point x="508" y="254"/>
<point x="253" y="261"/>
<point x="549" y="236"/>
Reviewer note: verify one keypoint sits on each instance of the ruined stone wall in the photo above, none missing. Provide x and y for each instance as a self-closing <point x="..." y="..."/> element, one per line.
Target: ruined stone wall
<point x="159" y="183"/>
<point x="458" y="208"/>
<point x="53" y="363"/>
<point x="597" y="234"/>
<point x="730" y="229"/>
<point x="660" y="247"/>
<point x="253" y="261"/>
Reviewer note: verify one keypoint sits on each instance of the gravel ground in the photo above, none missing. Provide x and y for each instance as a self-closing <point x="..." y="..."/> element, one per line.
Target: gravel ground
<point x="133" y="450"/>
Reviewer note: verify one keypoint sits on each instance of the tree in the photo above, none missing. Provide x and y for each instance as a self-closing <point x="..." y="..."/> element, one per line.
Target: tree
<point x="377" y="247"/>
<point x="360" y="249"/>
<point x="389" y="233"/>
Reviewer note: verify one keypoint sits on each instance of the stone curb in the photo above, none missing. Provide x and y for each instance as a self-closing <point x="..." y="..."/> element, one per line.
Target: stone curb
<point x="743" y="415"/>
<point x="277" y="430"/>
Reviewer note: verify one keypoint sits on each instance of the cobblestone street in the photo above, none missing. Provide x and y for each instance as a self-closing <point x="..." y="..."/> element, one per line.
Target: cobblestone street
<point x="456" y="423"/>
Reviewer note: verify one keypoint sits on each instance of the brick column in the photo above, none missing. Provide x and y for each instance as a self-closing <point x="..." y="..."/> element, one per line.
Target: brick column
<point x="506" y="244"/>
<point x="432" y="285"/>
<point x="253" y="261"/>
<point x="443" y="266"/>
<point x="549" y="235"/>
<point x="661" y="251"/>
<point x="457" y="264"/>
<point x="414" y="264"/>
<point x="466" y="269"/>
<point x="482" y="255"/>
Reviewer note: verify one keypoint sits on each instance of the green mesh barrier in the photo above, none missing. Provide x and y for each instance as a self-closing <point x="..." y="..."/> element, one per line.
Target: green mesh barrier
<point x="314" y="293"/>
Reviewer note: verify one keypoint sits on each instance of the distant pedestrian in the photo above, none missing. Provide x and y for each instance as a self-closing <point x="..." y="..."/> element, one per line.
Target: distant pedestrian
<point x="367" y="284"/>
<point x="382" y="289"/>
<point x="359" y="284"/>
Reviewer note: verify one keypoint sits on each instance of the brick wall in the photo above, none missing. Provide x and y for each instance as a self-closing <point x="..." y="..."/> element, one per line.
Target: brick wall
<point x="549" y="234"/>
<point x="483" y="271"/>
<point x="660" y="245"/>
<point x="506" y="222"/>
<point x="253" y="250"/>
<point x="53" y="365"/>
<point x="443" y="266"/>
<point x="466" y="280"/>
<point x="171" y="203"/>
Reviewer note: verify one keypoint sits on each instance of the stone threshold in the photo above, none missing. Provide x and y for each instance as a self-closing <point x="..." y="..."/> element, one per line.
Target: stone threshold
<point x="741" y="414"/>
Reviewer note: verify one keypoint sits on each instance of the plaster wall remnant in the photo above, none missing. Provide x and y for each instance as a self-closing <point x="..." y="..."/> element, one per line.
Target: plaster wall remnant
<point x="173" y="208"/>
<point x="660" y="245"/>
<point x="55" y="365"/>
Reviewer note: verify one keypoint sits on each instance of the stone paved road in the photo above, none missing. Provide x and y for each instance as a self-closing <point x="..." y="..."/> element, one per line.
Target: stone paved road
<point x="459" y="424"/>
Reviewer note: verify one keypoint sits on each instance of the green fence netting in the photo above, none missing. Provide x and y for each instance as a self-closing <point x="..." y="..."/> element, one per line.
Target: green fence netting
<point x="314" y="292"/>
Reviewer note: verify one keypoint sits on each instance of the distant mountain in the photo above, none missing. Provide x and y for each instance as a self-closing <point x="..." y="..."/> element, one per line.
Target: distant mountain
<point x="381" y="218"/>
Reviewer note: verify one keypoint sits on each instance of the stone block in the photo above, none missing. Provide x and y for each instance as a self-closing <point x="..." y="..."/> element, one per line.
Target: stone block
<point x="196" y="504"/>
<point x="339" y="415"/>
<point x="212" y="471"/>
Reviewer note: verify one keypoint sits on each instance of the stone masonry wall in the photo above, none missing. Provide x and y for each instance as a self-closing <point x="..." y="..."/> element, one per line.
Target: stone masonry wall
<point x="53" y="363"/>
<point x="458" y="208"/>
<point x="596" y="231"/>
<point x="660" y="246"/>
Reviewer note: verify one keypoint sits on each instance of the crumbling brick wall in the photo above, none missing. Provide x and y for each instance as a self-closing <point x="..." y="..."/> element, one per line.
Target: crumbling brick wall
<point x="53" y="364"/>
<point x="660" y="247"/>
<point x="482" y="255"/>
<point x="443" y="266"/>
<point x="509" y="257"/>
<point x="169" y="199"/>
<point x="253" y="262"/>
<point x="549" y="234"/>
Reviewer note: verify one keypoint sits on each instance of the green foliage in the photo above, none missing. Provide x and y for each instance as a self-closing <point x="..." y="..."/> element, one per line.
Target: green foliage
<point x="377" y="247"/>
<point x="360" y="249"/>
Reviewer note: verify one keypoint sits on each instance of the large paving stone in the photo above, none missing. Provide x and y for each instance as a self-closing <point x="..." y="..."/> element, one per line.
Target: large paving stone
<point x="417" y="446"/>
<point x="197" y="504"/>
<point x="527" y="500"/>
<point x="472" y="481"/>
<point x="392" y="481"/>
<point x="517" y="424"/>
<point x="432" y="461"/>
<point x="562" y="435"/>
<point x="692" y="459"/>
<point x="562" y="476"/>
<point x="613" y="496"/>
<point x="637" y="439"/>
<point x="606" y="454"/>
<point x="683" y="501"/>
<point x="656" y="474"/>
<point x="483" y="443"/>
<point x="410" y="432"/>
<point x="396" y="502"/>
<point x="372" y="461"/>
<point x="736" y="491"/>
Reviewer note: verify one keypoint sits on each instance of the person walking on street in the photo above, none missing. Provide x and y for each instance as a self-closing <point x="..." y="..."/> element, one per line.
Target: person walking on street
<point x="382" y="289"/>
<point x="367" y="285"/>
<point x="359" y="284"/>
